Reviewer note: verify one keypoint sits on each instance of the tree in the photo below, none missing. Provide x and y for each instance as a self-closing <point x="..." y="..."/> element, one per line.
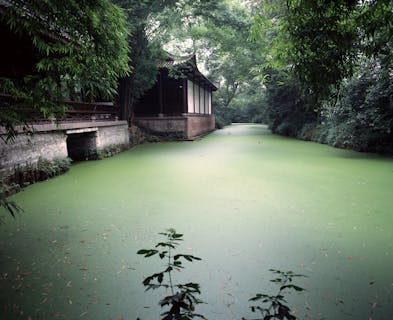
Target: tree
<point x="151" y="25"/>
<point x="361" y="117"/>
<point x="328" y="70"/>
<point x="80" y="44"/>
<point x="324" y="40"/>
<point x="222" y="38"/>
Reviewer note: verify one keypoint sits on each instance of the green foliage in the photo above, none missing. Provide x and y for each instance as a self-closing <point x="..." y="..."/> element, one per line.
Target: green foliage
<point x="108" y="151"/>
<point x="220" y="36"/>
<point x="30" y="98"/>
<point x="286" y="112"/>
<point x="10" y="206"/>
<point x="361" y="116"/>
<point x="324" y="39"/>
<point x="269" y="33"/>
<point x="153" y="24"/>
<point x="328" y="70"/>
<point x="374" y="18"/>
<point x="321" y="41"/>
<point x="183" y="297"/>
<point x="275" y="306"/>
<point x="82" y="41"/>
<point x="154" y="137"/>
<point x="42" y="170"/>
<point x="248" y="106"/>
<point x="148" y="30"/>
<point x="80" y="45"/>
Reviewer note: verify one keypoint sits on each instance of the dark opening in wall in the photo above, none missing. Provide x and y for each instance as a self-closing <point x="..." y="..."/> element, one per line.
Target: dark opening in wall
<point x="82" y="146"/>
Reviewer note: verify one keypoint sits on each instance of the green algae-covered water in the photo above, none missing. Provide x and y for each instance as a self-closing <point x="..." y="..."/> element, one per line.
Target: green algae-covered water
<point x="247" y="201"/>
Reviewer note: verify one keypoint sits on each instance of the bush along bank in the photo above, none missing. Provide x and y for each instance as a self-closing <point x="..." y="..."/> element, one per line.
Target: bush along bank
<point x="357" y="116"/>
<point x="29" y="173"/>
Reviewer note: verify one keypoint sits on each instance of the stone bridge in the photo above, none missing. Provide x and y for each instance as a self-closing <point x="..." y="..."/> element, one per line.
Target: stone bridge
<point x="78" y="140"/>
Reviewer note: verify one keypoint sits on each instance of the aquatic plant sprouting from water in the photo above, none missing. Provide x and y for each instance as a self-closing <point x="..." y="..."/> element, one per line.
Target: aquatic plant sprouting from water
<point x="10" y="206"/>
<point x="275" y="306"/>
<point x="183" y="297"/>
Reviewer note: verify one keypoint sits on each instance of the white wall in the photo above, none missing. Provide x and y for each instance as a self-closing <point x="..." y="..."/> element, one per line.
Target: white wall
<point x="196" y="97"/>
<point x="190" y="96"/>
<point x="199" y="99"/>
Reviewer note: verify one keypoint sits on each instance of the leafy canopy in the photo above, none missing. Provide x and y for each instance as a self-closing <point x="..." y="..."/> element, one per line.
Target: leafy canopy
<point x="81" y="46"/>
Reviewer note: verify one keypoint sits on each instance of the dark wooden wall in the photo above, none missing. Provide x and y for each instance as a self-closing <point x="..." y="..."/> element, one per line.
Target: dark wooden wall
<point x="165" y="97"/>
<point x="18" y="56"/>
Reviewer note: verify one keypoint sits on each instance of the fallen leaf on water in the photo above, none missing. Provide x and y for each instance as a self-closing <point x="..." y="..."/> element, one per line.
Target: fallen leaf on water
<point x="69" y="284"/>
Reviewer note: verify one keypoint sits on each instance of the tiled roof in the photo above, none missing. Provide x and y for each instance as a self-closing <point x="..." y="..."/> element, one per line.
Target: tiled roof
<point x="173" y="60"/>
<point x="189" y="63"/>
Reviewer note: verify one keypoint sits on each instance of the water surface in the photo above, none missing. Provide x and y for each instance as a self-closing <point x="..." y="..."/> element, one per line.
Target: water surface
<point x="246" y="200"/>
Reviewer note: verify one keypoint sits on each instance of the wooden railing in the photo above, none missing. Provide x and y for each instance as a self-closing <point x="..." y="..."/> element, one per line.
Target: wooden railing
<point x="97" y="111"/>
<point x="77" y="111"/>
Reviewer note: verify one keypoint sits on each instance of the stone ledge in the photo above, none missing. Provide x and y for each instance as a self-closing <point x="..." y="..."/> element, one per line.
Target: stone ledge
<point x="67" y="126"/>
<point x="179" y="117"/>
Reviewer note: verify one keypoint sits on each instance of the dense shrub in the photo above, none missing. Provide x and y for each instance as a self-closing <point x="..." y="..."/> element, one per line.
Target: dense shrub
<point x="361" y="117"/>
<point x="286" y="110"/>
<point x="29" y="173"/>
<point x="165" y="136"/>
<point x="248" y="106"/>
<point x="108" y="151"/>
<point x="358" y="115"/>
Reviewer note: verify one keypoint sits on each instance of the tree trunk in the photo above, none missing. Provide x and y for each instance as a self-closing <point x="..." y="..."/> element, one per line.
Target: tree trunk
<point x="125" y="99"/>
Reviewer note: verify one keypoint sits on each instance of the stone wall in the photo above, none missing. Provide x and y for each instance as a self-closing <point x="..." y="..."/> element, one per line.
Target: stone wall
<point x="49" y="142"/>
<point x="113" y="135"/>
<point x="28" y="149"/>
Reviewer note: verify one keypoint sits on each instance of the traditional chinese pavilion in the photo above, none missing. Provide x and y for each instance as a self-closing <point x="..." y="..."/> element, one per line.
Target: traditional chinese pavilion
<point x="179" y="102"/>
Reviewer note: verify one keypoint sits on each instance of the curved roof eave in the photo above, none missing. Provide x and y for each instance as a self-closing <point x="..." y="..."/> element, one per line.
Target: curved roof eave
<point x="187" y="61"/>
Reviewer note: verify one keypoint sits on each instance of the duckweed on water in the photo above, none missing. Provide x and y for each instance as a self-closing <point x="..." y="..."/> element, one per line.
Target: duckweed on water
<point x="247" y="201"/>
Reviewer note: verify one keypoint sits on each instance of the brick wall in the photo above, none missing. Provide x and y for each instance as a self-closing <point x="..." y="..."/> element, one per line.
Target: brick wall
<point x="163" y="124"/>
<point x="199" y="124"/>
<point x="192" y="125"/>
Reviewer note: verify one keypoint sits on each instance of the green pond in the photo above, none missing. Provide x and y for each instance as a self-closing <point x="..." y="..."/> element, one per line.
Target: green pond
<point x="247" y="201"/>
